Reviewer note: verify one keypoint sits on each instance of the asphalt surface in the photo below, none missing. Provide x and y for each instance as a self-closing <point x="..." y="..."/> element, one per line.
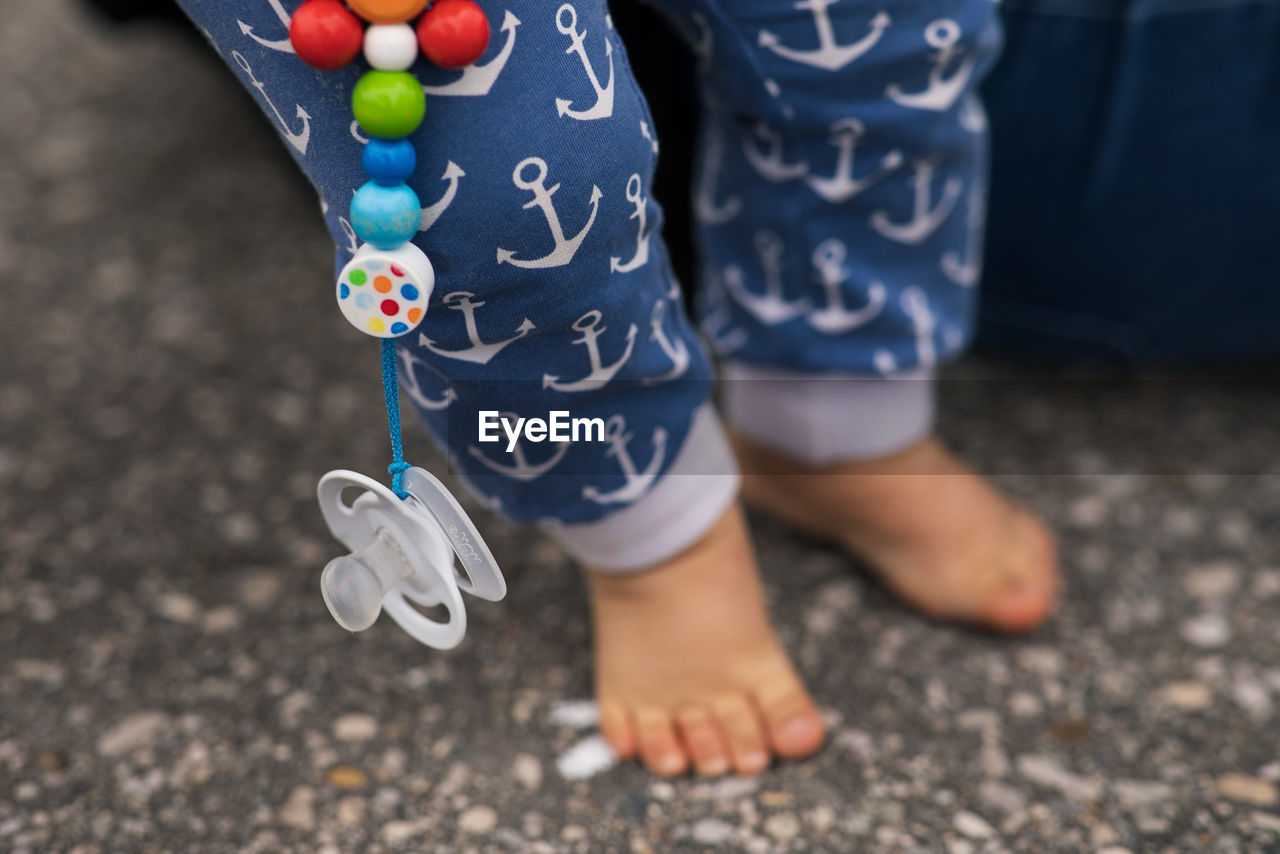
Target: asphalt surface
<point x="173" y="381"/>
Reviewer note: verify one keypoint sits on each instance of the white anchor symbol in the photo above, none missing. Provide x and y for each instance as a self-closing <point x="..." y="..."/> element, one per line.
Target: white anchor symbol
<point x="828" y="55"/>
<point x="603" y="108"/>
<point x="834" y="318"/>
<point x="648" y="134"/>
<point x="452" y="172"/>
<point x="566" y="248"/>
<point x="678" y="353"/>
<point x="924" y="222"/>
<point x="717" y="325"/>
<point x="704" y="202"/>
<point x="770" y="308"/>
<point x="283" y="45"/>
<point x="916" y="306"/>
<point x="298" y="140"/>
<point x="413" y="388"/>
<point x="479" y="352"/>
<point x="942" y="91"/>
<point x="842" y="186"/>
<point x="356" y="133"/>
<point x="477" y="80"/>
<point x="637" y="481"/>
<point x="966" y="273"/>
<point x="522" y="469"/>
<point x="353" y="242"/>
<point x="601" y="374"/>
<point x="769" y="163"/>
<point x="973" y="117"/>
<point x="641" y="256"/>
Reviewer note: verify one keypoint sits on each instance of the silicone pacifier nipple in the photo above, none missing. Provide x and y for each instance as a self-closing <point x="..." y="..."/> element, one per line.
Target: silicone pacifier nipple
<point x="354" y="585"/>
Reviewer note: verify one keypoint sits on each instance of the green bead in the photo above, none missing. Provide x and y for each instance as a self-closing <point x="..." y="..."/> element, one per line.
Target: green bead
<point x="388" y="104"/>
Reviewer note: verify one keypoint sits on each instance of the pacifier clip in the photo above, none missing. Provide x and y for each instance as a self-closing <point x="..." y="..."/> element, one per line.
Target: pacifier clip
<point x="403" y="540"/>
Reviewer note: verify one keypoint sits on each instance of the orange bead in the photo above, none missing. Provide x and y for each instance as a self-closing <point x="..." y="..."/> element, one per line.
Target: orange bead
<point x="387" y="11"/>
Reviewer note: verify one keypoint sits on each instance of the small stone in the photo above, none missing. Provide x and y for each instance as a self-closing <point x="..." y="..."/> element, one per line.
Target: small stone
<point x="973" y="825"/>
<point x="1114" y="849"/>
<point x="712" y="831"/>
<point x="478" y="819"/>
<point x="660" y="790"/>
<point x="219" y="620"/>
<point x="50" y="762"/>
<point x="527" y="770"/>
<point x="299" y="809"/>
<point x="1266" y="821"/>
<point x="346" y="777"/>
<point x="178" y="607"/>
<point x="1046" y="771"/>
<point x="50" y="673"/>
<point x="396" y="833"/>
<point x="1212" y="582"/>
<point x="137" y="730"/>
<point x="355" y="727"/>
<point x="782" y="826"/>
<point x="1250" y="790"/>
<point x="573" y="833"/>
<point x="1191" y="696"/>
<point x="1208" y="631"/>
<point x="259" y="590"/>
<point x="1135" y="793"/>
<point x="959" y="846"/>
<point x="351" y="811"/>
<point x="821" y="818"/>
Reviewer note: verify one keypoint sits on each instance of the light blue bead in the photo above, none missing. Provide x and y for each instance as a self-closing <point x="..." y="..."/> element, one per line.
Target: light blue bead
<point x="385" y="217"/>
<point x="389" y="163"/>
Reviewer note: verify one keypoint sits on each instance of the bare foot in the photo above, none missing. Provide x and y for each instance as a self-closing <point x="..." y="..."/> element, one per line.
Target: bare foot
<point x="935" y="532"/>
<point x="688" y="671"/>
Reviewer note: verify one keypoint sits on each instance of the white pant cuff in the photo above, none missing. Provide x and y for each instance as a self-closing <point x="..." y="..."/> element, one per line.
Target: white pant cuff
<point x="821" y="419"/>
<point x="683" y="504"/>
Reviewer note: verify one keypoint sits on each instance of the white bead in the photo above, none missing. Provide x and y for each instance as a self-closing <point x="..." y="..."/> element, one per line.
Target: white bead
<point x="390" y="47"/>
<point x="384" y="293"/>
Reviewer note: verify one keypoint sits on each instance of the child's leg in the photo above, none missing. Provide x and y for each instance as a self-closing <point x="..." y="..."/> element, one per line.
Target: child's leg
<point x="554" y="292"/>
<point x="839" y="203"/>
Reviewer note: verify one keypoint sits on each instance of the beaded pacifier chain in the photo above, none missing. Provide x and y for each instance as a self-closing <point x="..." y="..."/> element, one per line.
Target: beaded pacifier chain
<point x="404" y="539"/>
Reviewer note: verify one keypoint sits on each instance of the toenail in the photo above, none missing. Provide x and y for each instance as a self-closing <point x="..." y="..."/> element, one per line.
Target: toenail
<point x="670" y="764"/>
<point x="796" y="729"/>
<point x="714" y="767"/>
<point x="755" y="761"/>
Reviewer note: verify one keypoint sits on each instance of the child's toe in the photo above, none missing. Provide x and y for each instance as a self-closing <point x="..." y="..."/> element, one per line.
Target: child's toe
<point x="702" y="738"/>
<point x="742" y="728"/>
<point x="659" y="747"/>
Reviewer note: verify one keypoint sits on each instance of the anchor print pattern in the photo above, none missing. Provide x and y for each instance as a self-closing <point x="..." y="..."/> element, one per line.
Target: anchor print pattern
<point x="520" y="468"/>
<point x="828" y="55"/>
<point x="945" y="86"/>
<point x="590" y="328"/>
<point x="535" y="181"/>
<point x="565" y="247"/>
<point x="567" y="23"/>
<point x="637" y="481"/>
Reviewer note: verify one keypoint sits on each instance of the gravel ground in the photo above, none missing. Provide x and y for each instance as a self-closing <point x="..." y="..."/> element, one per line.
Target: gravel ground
<point x="172" y="386"/>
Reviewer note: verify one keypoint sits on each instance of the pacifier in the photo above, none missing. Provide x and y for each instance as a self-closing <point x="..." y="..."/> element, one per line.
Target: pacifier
<point x="403" y="553"/>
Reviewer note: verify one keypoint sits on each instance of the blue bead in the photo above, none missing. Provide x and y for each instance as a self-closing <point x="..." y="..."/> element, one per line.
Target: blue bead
<point x="389" y="163"/>
<point x="386" y="217"/>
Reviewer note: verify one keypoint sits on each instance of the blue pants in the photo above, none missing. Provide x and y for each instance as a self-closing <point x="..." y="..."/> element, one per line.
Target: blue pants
<point x="839" y="209"/>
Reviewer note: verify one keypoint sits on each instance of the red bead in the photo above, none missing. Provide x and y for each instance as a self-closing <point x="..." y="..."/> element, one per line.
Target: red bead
<point x="453" y="33"/>
<point x="325" y="34"/>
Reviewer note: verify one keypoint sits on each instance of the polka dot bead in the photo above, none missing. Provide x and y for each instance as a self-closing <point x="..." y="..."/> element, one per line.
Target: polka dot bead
<point x="388" y="11"/>
<point x="385" y="293"/>
<point x="388" y="104"/>
<point x="325" y="35"/>
<point x="385" y="216"/>
<point x="390" y="47"/>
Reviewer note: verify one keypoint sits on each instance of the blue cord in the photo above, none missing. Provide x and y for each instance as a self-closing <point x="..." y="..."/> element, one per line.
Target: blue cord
<point x="391" y="388"/>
